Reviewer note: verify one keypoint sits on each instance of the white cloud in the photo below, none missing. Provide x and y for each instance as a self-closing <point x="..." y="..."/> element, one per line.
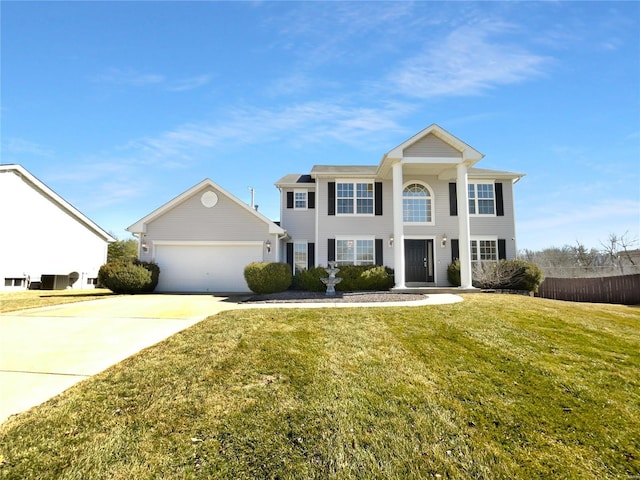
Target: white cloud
<point x="19" y="146"/>
<point x="190" y="83"/>
<point x="468" y="62"/>
<point x="299" y="124"/>
<point x="129" y="77"/>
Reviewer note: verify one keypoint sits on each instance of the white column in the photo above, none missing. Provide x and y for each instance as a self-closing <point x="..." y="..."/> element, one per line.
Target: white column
<point x="464" y="242"/>
<point x="398" y="229"/>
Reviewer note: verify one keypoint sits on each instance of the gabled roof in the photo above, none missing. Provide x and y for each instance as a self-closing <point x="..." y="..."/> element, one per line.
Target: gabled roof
<point x="468" y="154"/>
<point x="140" y="225"/>
<point x="60" y="202"/>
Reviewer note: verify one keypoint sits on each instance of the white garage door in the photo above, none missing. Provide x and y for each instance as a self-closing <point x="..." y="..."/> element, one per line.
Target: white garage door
<point x="205" y="268"/>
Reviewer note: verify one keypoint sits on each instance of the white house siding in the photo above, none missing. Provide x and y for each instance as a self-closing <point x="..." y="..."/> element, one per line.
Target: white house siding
<point x="330" y="226"/>
<point x="190" y="220"/>
<point x="382" y="226"/>
<point x="299" y="224"/>
<point x="39" y="237"/>
<point x="498" y="226"/>
<point x="431" y="146"/>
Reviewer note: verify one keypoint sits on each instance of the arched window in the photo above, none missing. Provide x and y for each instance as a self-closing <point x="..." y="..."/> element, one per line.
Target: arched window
<point x="416" y="204"/>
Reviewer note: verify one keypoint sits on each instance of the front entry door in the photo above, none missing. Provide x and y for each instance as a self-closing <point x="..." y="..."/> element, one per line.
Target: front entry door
<point x="418" y="261"/>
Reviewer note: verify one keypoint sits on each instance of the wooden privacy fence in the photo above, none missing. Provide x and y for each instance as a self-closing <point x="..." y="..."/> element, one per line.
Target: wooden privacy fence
<point x="624" y="289"/>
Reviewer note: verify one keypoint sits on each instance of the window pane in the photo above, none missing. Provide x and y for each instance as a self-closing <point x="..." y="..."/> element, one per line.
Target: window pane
<point x="365" y="190"/>
<point x="345" y="206"/>
<point x="485" y="207"/>
<point x="344" y="251"/>
<point x="416" y="204"/>
<point x="345" y="190"/>
<point x="488" y="250"/>
<point x="299" y="257"/>
<point x="365" y="252"/>
<point x="365" y="205"/>
<point x="474" y="250"/>
<point x="300" y="199"/>
<point x="344" y="193"/>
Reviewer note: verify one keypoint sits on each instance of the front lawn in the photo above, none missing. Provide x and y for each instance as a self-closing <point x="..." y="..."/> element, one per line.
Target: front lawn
<point x="496" y="387"/>
<point x="20" y="300"/>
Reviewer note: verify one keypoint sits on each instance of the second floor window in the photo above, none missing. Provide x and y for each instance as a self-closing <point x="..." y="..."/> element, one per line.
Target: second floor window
<point x="416" y="204"/>
<point x="481" y="199"/>
<point x="354" y="198"/>
<point x="300" y="199"/>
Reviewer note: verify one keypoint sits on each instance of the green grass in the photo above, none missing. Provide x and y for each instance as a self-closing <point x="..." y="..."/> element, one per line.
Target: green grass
<point x="496" y="387"/>
<point x="12" y="301"/>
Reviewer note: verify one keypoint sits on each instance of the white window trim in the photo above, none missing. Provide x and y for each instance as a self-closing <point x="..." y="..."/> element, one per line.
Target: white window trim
<point x="483" y="215"/>
<point x="433" y="205"/>
<point x="306" y="199"/>
<point x="484" y="238"/>
<point x="355" y="198"/>
<point x="355" y="238"/>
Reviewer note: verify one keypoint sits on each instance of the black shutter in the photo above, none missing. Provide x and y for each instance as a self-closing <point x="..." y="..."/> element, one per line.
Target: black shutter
<point x="311" y="255"/>
<point x="331" y="249"/>
<point x="455" y="249"/>
<point x="499" y="200"/>
<point x="289" y="199"/>
<point x="331" y="194"/>
<point x="379" y="257"/>
<point x="502" y="249"/>
<point x="378" y="197"/>
<point x="453" y="200"/>
<point x="311" y="200"/>
<point x="290" y="254"/>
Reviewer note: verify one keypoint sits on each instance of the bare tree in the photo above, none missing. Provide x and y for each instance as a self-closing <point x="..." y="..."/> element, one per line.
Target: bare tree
<point x="618" y="249"/>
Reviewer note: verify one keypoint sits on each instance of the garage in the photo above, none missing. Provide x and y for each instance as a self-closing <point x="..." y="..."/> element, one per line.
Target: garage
<point x="205" y="266"/>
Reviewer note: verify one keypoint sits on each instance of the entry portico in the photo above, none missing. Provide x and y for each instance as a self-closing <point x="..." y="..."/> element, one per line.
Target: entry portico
<point x="420" y="157"/>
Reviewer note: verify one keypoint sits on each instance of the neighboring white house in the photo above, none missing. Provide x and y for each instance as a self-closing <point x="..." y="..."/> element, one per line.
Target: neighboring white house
<point x="424" y="205"/>
<point x="203" y="238"/>
<point x="44" y="238"/>
<point x="421" y="207"/>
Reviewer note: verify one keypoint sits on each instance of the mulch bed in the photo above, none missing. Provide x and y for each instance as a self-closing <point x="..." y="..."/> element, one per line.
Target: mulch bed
<point x="298" y="296"/>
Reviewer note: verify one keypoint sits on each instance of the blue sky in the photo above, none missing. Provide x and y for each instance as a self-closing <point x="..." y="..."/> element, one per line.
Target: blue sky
<point x="121" y="106"/>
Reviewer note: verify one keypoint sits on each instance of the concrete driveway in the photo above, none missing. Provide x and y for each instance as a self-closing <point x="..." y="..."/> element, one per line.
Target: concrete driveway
<point x="44" y="351"/>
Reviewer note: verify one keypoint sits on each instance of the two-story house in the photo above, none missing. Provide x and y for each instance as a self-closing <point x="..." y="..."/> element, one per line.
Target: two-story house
<point x="421" y="207"/>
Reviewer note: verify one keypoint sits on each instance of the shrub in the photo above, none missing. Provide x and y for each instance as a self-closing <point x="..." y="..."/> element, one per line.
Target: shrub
<point x="129" y="277"/>
<point x="268" y="277"/>
<point x="453" y="273"/>
<point x="155" y="274"/>
<point x="364" y="277"/>
<point x="354" y="278"/>
<point x="505" y="274"/>
<point x="309" y="280"/>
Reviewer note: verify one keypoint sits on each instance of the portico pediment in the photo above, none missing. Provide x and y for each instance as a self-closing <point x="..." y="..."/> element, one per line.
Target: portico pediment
<point x="434" y="148"/>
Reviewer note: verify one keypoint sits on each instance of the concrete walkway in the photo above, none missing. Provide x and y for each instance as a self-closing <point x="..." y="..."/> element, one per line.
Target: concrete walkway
<point x="46" y="350"/>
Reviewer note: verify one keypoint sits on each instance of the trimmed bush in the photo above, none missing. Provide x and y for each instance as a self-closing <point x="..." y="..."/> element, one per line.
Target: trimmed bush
<point x="309" y="280"/>
<point x="268" y="277"/>
<point x="355" y="278"/>
<point x="155" y="274"/>
<point x="129" y="277"/>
